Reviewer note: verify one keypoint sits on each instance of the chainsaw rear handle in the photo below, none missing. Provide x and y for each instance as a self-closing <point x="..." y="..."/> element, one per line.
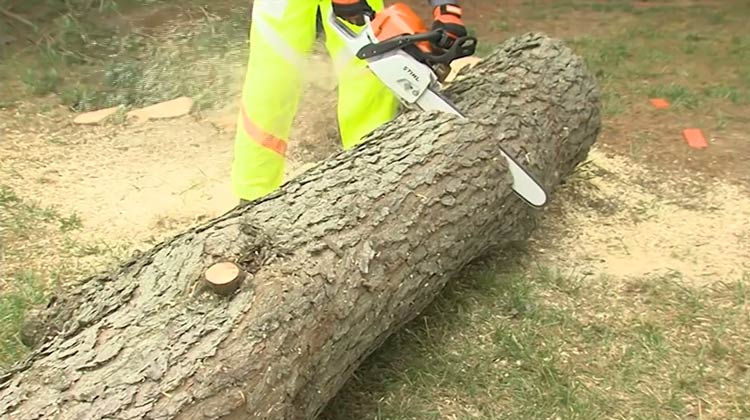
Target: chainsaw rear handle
<point x="464" y="46"/>
<point x="461" y="47"/>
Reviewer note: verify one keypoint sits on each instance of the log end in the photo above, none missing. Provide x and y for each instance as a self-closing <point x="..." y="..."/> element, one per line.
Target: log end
<point x="224" y="277"/>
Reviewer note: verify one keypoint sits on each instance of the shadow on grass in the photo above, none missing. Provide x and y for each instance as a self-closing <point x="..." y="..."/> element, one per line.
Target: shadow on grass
<point x="492" y="286"/>
<point x="508" y="341"/>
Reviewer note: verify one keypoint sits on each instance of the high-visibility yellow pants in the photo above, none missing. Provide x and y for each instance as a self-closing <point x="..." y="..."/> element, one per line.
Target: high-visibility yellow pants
<point x="282" y="33"/>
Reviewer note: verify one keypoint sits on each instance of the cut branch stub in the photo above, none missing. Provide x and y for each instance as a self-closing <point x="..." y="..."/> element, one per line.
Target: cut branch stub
<point x="224" y="277"/>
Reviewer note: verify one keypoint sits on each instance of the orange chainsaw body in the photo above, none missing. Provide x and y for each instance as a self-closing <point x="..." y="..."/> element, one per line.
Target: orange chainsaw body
<point x="399" y="19"/>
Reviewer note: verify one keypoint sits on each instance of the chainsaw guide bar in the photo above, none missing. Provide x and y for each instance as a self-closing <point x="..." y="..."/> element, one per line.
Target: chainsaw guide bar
<point x="397" y="48"/>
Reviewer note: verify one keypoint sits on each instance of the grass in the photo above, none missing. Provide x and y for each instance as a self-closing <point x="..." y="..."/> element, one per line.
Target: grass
<point x="506" y="341"/>
<point x="26" y="290"/>
<point x="38" y="253"/>
<point x="537" y="344"/>
<point x="678" y="95"/>
<point x="20" y="287"/>
<point x="20" y="217"/>
<point x="89" y="62"/>
<point x="660" y="55"/>
<point x="547" y="10"/>
<point x="733" y="94"/>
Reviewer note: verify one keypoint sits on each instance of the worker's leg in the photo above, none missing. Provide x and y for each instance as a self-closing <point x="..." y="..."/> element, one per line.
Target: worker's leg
<point x="282" y="33"/>
<point x="364" y="102"/>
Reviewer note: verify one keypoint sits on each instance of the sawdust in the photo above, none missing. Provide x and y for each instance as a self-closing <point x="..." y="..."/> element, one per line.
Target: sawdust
<point x="139" y="183"/>
<point x="168" y="109"/>
<point x="628" y="222"/>
<point x="95" y="117"/>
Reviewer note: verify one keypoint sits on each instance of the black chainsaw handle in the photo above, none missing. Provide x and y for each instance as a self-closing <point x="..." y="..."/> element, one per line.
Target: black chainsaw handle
<point x="461" y="47"/>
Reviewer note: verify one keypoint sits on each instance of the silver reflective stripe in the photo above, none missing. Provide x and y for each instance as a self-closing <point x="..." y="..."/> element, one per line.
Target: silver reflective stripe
<point x="269" y="34"/>
<point x="273" y="8"/>
<point x="345" y="59"/>
<point x="342" y="59"/>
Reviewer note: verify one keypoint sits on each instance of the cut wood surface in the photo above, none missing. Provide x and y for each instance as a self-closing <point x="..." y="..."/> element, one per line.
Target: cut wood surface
<point x="224" y="277"/>
<point x="334" y="262"/>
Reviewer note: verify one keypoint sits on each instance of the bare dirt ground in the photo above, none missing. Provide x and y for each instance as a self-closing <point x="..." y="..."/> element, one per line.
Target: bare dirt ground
<point x="138" y="183"/>
<point x="629" y="222"/>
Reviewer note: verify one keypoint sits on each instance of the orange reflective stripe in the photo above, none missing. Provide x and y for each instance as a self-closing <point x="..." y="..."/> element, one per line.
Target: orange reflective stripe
<point x="266" y="140"/>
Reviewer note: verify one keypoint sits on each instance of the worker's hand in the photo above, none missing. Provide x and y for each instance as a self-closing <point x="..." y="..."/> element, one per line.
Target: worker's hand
<point x="353" y="11"/>
<point x="448" y="18"/>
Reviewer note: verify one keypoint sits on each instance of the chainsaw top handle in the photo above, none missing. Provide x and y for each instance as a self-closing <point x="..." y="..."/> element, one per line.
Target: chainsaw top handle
<point x="461" y="47"/>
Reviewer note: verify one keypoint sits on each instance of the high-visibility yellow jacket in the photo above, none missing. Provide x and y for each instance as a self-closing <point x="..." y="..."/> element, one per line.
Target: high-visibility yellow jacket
<point x="282" y="32"/>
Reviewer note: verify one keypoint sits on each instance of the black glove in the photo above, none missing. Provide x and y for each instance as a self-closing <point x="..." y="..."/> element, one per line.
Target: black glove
<point x="448" y="18"/>
<point x="353" y="11"/>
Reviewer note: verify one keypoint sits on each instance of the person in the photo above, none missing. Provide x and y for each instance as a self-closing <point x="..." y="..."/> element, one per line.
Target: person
<point x="282" y="33"/>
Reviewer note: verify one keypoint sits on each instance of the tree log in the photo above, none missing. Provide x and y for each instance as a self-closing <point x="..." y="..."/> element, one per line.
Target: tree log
<point x="332" y="264"/>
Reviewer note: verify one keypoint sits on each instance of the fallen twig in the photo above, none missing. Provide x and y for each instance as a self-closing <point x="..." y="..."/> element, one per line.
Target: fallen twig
<point x="17" y="17"/>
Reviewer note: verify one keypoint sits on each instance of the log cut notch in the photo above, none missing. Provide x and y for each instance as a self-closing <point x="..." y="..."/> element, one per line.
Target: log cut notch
<point x="331" y="265"/>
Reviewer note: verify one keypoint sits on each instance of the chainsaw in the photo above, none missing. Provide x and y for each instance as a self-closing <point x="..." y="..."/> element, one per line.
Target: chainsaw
<point x="400" y="50"/>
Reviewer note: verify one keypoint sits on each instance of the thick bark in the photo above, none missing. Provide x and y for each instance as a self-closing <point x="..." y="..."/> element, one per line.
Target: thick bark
<point x="338" y="260"/>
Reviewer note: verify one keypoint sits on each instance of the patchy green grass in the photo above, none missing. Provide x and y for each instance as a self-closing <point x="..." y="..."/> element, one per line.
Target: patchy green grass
<point x="25" y="290"/>
<point x="677" y="94"/>
<point x="20" y="218"/>
<point x="670" y="50"/>
<point x="541" y="9"/>
<point x="506" y="342"/>
<point x="539" y="344"/>
<point x="89" y="62"/>
<point x="38" y="253"/>
<point x="733" y="94"/>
